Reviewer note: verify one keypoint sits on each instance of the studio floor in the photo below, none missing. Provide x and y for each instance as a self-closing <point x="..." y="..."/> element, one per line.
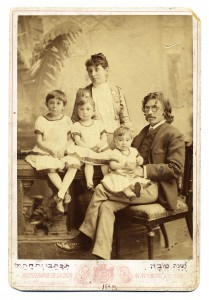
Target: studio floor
<point x="132" y="247"/>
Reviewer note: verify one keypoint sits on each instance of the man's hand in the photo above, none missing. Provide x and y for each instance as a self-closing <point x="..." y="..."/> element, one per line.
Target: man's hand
<point x="139" y="160"/>
<point x="140" y="171"/>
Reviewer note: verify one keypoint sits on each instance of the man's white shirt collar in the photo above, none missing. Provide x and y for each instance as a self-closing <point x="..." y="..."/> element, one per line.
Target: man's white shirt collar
<point x="158" y="124"/>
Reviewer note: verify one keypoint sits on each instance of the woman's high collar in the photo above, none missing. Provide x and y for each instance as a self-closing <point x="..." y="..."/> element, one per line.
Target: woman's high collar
<point x="101" y="85"/>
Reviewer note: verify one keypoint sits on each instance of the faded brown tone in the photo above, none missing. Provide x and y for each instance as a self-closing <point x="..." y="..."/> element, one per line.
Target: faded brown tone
<point x="145" y="53"/>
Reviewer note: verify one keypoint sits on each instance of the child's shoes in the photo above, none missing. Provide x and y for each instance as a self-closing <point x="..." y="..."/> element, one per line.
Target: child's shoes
<point x="137" y="189"/>
<point x="60" y="206"/>
<point x="67" y="198"/>
<point x="91" y="188"/>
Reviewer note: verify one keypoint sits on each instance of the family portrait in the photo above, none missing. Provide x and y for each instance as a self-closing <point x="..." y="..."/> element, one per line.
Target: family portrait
<point x="105" y="130"/>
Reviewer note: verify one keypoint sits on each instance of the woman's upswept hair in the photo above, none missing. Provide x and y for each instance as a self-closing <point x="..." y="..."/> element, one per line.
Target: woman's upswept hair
<point x="159" y="96"/>
<point x="97" y="59"/>
<point x="121" y="131"/>
<point x="57" y="94"/>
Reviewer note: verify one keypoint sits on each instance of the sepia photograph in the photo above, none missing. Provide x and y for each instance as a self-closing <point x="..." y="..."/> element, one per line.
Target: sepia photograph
<point x="105" y="154"/>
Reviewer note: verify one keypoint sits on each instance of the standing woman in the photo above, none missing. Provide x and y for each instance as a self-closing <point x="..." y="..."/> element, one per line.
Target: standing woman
<point x="111" y="107"/>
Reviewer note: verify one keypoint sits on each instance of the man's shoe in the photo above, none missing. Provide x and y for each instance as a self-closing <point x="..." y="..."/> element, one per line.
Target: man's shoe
<point x="81" y="242"/>
<point x="98" y="257"/>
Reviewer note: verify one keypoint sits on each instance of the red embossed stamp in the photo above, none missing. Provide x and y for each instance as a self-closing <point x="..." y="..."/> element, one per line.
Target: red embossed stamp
<point x="124" y="274"/>
<point x="103" y="273"/>
<point x="82" y="274"/>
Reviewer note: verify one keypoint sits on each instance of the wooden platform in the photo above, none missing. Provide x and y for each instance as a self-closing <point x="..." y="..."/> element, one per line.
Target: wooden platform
<point x="26" y="172"/>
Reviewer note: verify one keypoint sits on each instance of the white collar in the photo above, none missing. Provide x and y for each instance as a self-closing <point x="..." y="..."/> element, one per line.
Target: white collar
<point x="158" y="124"/>
<point x="101" y="86"/>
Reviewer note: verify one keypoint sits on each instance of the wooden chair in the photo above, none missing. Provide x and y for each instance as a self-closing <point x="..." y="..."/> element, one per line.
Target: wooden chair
<point x="154" y="215"/>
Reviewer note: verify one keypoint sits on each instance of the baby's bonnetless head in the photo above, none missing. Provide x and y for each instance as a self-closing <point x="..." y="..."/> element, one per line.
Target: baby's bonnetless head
<point x="123" y="138"/>
<point x="56" y="94"/>
<point x="121" y="131"/>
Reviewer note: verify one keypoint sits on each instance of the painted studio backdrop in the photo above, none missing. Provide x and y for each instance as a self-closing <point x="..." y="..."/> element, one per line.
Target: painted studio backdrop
<point x="145" y="54"/>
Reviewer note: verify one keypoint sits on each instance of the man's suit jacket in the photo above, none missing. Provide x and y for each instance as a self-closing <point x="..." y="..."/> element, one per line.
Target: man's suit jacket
<point x="165" y="161"/>
<point x="119" y="105"/>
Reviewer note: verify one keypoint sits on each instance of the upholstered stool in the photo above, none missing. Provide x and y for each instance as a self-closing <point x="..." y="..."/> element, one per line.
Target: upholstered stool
<point x="151" y="216"/>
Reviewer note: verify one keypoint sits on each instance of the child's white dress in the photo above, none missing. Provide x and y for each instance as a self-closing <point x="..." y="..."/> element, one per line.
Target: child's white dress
<point x="117" y="181"/>
<point x="55" y="134"/>
<point x="91" y="136"/>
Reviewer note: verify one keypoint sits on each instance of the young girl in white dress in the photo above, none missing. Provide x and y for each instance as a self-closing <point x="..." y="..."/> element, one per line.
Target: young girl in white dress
<point x="90" y="138"/>
<point x="53" y="137"/>
<point x="124" y="162"/>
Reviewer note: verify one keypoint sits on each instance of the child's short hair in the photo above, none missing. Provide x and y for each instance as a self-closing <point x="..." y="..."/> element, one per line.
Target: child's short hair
<point x="57" y="94"/>
<point x="85" y="98"/>
<point x="121" y="131"/>
<point x="97" y="59"/>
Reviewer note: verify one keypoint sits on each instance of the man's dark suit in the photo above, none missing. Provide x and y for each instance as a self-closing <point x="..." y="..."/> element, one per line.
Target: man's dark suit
<point x="165" y="161"/>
